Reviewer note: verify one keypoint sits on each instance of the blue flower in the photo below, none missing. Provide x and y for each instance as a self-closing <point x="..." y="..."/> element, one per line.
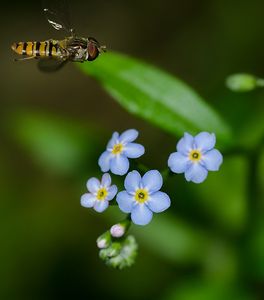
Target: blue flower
<point x="100" y="193"/>
<point x="196" y="156"/>
<point x="118" y="150"/>
<point x="142" y="196"/>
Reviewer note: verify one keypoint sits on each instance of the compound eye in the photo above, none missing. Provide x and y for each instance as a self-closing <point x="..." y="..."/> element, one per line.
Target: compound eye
<point x="92" y="51"/>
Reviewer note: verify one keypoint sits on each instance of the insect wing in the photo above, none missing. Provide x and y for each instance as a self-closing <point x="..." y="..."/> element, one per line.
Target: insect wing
<point x="48" y="65"/>
<point x="58" y="14"/>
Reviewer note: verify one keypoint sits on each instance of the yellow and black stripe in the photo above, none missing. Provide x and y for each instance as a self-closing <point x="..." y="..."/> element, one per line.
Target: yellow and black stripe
<point x="49" y="48"/>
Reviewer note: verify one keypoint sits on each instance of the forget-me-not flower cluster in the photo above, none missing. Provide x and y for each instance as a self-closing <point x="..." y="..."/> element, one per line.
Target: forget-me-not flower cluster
<point x="195" y="156"/>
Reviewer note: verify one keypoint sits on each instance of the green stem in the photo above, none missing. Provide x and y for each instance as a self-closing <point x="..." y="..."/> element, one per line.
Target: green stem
<point x="253" y="216"/>
<point x="252" y="195"/>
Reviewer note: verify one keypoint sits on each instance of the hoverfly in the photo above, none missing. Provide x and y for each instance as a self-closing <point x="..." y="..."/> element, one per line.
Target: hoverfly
<point x="53" y="54"/>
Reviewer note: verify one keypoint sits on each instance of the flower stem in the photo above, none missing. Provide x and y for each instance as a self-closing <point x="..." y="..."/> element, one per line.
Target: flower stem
<point x="254" y="211"/>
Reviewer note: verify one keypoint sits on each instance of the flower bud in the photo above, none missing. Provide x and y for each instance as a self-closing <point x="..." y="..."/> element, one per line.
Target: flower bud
<point x="243" y="82"/>
<point x="112" y="251"/>
<point x="104" y="240"/>
<point x="118" y="230"/>
<point x="120" y="254"/>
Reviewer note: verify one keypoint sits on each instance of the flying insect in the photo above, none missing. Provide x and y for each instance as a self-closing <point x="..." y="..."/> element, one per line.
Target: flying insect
<point x="53" y="54"/>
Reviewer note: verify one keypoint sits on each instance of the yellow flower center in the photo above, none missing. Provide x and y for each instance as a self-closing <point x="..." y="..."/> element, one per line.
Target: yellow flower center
<point x="101" y="194"/>
<point x="195" y="155"/>
<point x="141" y="195"/>
<point x="117" y="149"/>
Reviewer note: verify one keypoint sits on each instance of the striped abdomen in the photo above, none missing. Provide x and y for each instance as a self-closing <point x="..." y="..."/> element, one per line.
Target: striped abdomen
<point x="38" y="49"/>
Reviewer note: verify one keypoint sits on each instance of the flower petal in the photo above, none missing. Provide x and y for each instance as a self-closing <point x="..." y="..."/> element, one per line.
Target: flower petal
<point x="100" y="206"/>
<point x="106" y="180"/>
<point x="212" y="160"/>
<point x="111" y="192"/>
<point x="141" y="214"/>
<point x="185" y="144"/>
<point x="196" y="173"/>
<point x="87" y="200"/>
<point x="128" y="136"/>
<point x="125" y="201"/>
<point x="158" y="202"/>
<point x="152" y="180"/>
<point x="178" y="163"/>
<point x="205" y="141"/>
<point x="114" y="140"/>
<point x="133" y="150"/>
<point x="93" y="185"/>
<point x="119" y="165"/>
<point x="104" y="161"/>
<point x="132" y="181"/>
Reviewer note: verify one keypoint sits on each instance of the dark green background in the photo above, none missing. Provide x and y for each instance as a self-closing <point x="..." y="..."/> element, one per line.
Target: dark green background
<point x="54" y="127"/>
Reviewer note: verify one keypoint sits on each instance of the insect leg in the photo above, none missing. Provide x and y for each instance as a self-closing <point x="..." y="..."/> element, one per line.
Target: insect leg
<point x="24" y="58"/>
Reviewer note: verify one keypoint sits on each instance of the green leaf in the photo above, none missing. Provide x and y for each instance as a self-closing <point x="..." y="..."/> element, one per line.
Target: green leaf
<point x="156" y="96"/>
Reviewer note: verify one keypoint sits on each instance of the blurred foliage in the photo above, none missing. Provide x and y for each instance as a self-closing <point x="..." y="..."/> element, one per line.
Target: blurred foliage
<point x="57" y="144"/>
<point x="252" y="131"/>
<point x="207" y="290"/>
<point x="228" y="210"/>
